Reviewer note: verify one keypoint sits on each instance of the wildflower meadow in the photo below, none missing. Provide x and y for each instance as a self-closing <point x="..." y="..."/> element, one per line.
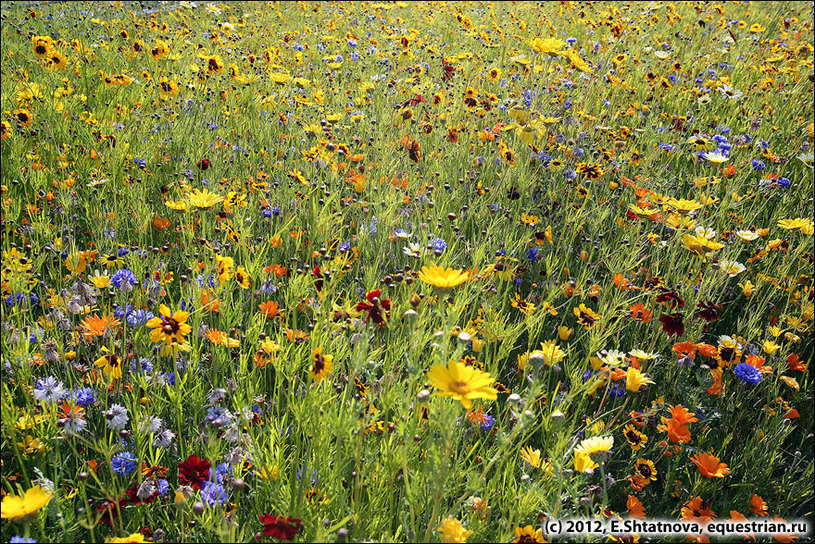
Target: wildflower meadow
<point x="407" y="271"/>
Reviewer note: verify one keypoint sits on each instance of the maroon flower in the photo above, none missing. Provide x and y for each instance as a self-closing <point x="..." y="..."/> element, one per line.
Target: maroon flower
<point x="708" y="311"/>
<point x="670" y="296"/>
<point x="194" y="471"/>
<point x="379" y="310"/>
<point x="280" y="527"/>
<point x="203" y="164"/>
<point x="672" y="323"/>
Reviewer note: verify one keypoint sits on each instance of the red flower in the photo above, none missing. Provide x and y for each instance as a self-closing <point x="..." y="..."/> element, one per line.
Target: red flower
<point x="203" y="164"/>
<point x="670" y="296"/>
<point x="378" y="310"/>
<point x="280" y="527"/>
<point x="194" y="471"/>
<point x="708" y="311"/>
<point x="672" y="323"/>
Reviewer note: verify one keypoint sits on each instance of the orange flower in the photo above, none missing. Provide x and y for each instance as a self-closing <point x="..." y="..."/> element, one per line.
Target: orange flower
<point x="270" y="309"/>
<point x="635" y="508"/>
<point x="682" y="414"/>
<point x="685" y="349"/>
<point x="709" y="465"/>
<point x="794" y="363"/>
<point x="210" y="302"/>
<point x="97" y="326"/>
<point x="640" y="313"/>
<point x="717" y="387"/>
<point x="707" y="350"/>
<point x="696" y="509"/>
<point x="758" y="506"/>
<point x="758" y="363"/>
<point x="220" y="338"/>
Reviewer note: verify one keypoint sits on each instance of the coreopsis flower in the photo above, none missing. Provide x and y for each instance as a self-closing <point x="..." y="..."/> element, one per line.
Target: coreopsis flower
<point x="462" y="382"/>
<point x="321" y="365"/>
<point x="528" y="534"/>
<point x="378" y="309"/>
<point x="587" y="317"/>
<point x="169" y="327"/>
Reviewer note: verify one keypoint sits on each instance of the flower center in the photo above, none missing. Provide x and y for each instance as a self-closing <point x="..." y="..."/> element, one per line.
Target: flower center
<point x="459" y="387"/>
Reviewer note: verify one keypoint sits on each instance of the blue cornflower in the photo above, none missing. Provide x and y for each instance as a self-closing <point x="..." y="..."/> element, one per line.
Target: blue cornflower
<point x="439" y="245"/>
<point x="747" y="373"/>
<point x="314" y="477"/>
<point x="49" y="390"/>
<point x="533" y="254"/>
<point x="163" y="486"/>
<point x="213" y="494"/>
<point x="487" y="422"/>
<point x="344" y="246"/>
<point x="139" y="317"/>
<point x="222" y="470"/>
<point x="123" y="279"/>
<point x="123" y="311"/>
<point x="757" y="165"/>
<point x="352" y="43"/>
<point x="83" y="396"/>
<point x="123" y="464"/>
<point x="22" y="540"/>
<point x="218" y="416"/>
<point x="141" y="366"/>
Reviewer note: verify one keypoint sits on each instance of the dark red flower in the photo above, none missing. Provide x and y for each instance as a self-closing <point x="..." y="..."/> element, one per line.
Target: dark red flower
<point x="378" y="310"/>
<point x="280" y="527"/>
<point x="708" y="311"/>
<point x="672" y="323"/>
<point x="194" y="471"/>
<point x="670" y="296"/>
<point x="109" y="510"/>
<point x="203" y="164"/>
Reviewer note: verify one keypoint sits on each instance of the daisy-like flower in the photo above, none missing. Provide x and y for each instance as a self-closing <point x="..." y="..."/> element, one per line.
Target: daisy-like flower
<point x="412" y="250"/>
<point x="731" y="268"/>
<point x="205" y="199"/>
<point x="586" y="316"/>
<point x="169" y="327"/>
<point x="715" y="157"/>
<point x="21" y="508"/>
<point x="709" y="465"/>
<point x="320" y="365"/>
<point x="634" y="438"/>
<point x="462" y="382"/>
<point x="528" y="534"/>
<point x="596" y="447"/>
<point x="611" y="357"/>
<point x="110" y="363"/>
<point x="747" y="235"/>
<point x="443" y="279"/>
<point x="550" y="353"/>
<point x="805" y="225"/>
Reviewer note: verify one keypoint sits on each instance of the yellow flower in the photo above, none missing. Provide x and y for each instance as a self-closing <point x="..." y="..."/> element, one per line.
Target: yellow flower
<point x="583" y="463"/>
<point x="551" y="353"/>
<point x="684" y="206"/>
<point x="547" y="46"/>
<point x="110" y="363"/>
<point x="770" y="347"/>
<point x="31" y="445"/>
<point x="528" y="534"/>
<point x="462" y="382"/>
<point x="21" y="508"/>
<point x="204" y="199"/>
<point x="595" y="447"/>
<point x="533" y="457"/>
<point x="178" y="205"/>
<point x="747" y="289"/>
<point x="135" y="537"/>
<point x="452" y="530"/>
<point x="443" y="279"/>
<point x="634" y="380"/>
<point x="169" y="327"/>
<point x="321" y="365"/>
<point x="805" y="225"/>
<point x="564" y="332"/>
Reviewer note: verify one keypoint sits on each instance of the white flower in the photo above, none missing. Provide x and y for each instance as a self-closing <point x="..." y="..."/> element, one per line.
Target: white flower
<point x="747" y="235"/>
<point x="643" y="355"/>
<point x="117" y="417"/>
<point x="732" y="268"/>
<point x="715" y="157"/>
<point x="702" y="232"/>
<point x="412" y="250"/>
<point x="611" y="357"/>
